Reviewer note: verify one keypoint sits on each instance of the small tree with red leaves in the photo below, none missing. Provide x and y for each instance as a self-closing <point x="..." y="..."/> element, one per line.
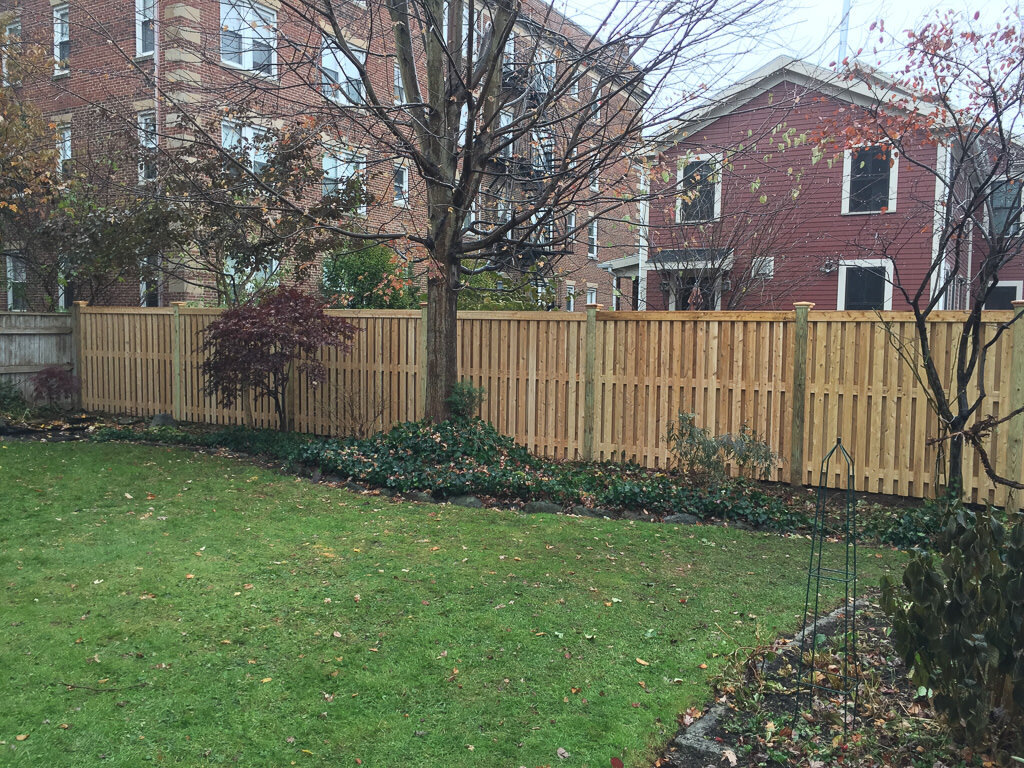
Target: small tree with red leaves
<point x="255" y="348"/>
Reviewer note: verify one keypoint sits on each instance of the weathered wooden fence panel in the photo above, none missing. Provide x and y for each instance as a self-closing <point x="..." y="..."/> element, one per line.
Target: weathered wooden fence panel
<point x="605" y="384"/>
<point x="30" y="342"/>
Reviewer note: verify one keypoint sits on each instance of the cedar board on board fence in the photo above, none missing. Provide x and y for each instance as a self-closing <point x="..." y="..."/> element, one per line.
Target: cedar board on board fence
<point x="30" y="342"/>
<point x="730" y="368"/>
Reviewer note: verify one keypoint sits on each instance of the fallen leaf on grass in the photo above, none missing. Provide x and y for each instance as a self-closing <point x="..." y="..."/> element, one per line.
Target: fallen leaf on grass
<point x="337" y="634"/>
<point x="21" y="737"/>
<point x="266" y="679"/>
<point x="728" y="754"/>
<point x="644" y="663"/>
<point x="562" y="754"/>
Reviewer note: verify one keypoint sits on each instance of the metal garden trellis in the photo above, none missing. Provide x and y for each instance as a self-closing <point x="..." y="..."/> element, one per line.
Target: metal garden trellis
<point x="844" y="573"/>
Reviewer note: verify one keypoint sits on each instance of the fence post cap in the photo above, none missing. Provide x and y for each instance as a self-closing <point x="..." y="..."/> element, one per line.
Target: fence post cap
<point x="594" y="306"/>
<point x="178" y="303"/>
<point x="802" y="304"/>
<point x="1017" y="304"/>
<point x="80" y="303"/>
<point x="423" y="305"/>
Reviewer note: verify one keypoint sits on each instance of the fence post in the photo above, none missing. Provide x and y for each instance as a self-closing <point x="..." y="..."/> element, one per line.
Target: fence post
<point x="798" y="393"/>
<point x="177" y="372"/>
<point x="77" y="353"/>
<point x="421" y="408"/>
<point x="1015" y="452"/>
<point x="589" y="383"/>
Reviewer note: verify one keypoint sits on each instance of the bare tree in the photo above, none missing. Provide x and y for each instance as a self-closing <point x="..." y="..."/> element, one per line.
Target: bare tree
<point x="954" y="113"/>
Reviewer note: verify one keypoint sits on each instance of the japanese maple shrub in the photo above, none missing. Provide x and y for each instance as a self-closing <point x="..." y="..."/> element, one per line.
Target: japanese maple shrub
<point x="258" y="346"/>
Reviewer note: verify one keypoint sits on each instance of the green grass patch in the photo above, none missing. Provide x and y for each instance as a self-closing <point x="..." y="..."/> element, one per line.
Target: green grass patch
<point x="175" y="607"/>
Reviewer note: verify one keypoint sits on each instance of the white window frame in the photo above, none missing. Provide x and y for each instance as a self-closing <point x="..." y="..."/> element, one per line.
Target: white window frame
<point x="508" y="56"/>
<point x="570" y="226"/>
<point x="251" y="22"/>
<point x="401" y="201"/>
<point x="61" y="35"/>
<point x="144" y="286"/>
<point x="256" y="156"/>
<point x="1018" y="284"/>
<point x="893" y="180"/>
<point x="400" y="95"/>
<point x="593" y="245"/>
<point x="846" y="264"/>
<point x="336" y="160"/>
<point x="148" y="144"/>
<point x="145" y="15"/>
<point x="11" y="282"/>
<point x="543" y="152"/>
<point x="570" y="297"/>
<point x="762" y="267"/>
<point x="505" y="119"/>
<point x="591" y="294"/>
<point x="12" y="39"/>
<point x="63" y="147"/>
<point x="547" y="70"/>
<point x="349" y="84"/>
<point x="717" y="160"/>
<point x="595" y="180"/>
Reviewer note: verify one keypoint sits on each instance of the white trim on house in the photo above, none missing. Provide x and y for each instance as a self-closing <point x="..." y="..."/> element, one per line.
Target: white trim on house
<point x="943" y="156"/>
<point x="1018" y="284"/>
<point x="717" y="160"/>
<point x="847" y="263"/>
<point x="9" y="279"/>
<point x="893" y="182"/>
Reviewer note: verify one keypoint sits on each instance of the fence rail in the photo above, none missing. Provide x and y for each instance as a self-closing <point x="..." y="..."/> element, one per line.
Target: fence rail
<point x="607" y="384"/>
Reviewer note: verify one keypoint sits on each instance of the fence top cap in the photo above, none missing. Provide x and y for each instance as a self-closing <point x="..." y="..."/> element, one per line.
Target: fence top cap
<point x="801" y="304"/>
<point x="1017" y="303"/>
<point x="594" y="306"/>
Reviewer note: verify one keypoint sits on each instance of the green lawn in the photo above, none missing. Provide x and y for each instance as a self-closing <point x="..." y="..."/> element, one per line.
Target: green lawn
<point x="207" y="611"/>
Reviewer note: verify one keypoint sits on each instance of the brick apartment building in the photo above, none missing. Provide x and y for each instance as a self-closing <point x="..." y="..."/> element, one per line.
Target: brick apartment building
<point x="750" y="211"/>
<point x="166" y="73"/>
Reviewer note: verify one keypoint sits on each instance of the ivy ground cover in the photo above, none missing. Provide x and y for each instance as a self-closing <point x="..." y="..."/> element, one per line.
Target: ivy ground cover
<point x="165" y="606"/>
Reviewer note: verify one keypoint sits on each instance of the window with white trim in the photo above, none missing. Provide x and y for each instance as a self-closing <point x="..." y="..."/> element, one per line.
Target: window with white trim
<point x="401" y="185"/>
<point x="12" y="44"/>
<point x="595" y="180"/>
<point x="149" y="285"/>
<point x="248" y="36"/>
<point x="595" y="103"/>
<point x="1005" y="202"/>
<point x="246" y="142"/>
<point x="17" y="283"/>
<point x="1004" y="293"/>
<point x="865" y="284"/>
<point x="762" y="268"/>
<point x="145" y="27"/>
<point x="570" y="226"/>
<point x="546" y="71"/>
<point x="505" y="135"/>
<point x="398" y="84"/>
<point x="870" y="179"/>
<point x="147" y="145"/>
<point x="64" y="150"/>
<point x="543" y="152"/>
<point x="341" y="167"/>
<point x="570" y="298"/>
<point x="508" y="56"/>
<point x="698" y="189"/>
<point x="61" y="38"/>
<point x="341" y="79"/>
<point x="591" y="294"/>
<point x="592" y="245"/>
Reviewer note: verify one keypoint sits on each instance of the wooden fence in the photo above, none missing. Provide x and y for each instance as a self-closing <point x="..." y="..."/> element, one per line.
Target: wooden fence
<point x="30" y="342"/>
<point x="606" y="384"/>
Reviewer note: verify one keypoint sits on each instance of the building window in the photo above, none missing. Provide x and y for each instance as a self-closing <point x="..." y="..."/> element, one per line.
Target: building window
<point x="570" y="298"/>
<point x="399" y="85"/>
<point x="592" y="239"/>
<point x="574" y="88"/>
<point x="591" y="294"/>
<point x="401" y="185"/>
<point x="248" y="36"/>
<point x="64" y="150"/>
<point x="147" y="146"/>
<point x="546" y="71"/>
<point x="595" y="180"/>
<point x="145" y="27"/>
<point x="17" y="284"/>
<point x="699" y="187"/>
<point x="149" y="285"/>
<point x="865" y="284"/>
<point x="246" y="143"/>
<point x="508" y="57"/>
<point x="12" y="44"/>
<point x="570" y="226"/>
<point x="505" y="136"/>
<point x="762" y="268"/>
<point x="1004" y="294"/>
<point x="341" y="79"/>
<point x="595" y="104"/>
<point x="61" y="38"/>
<point x="869" y="179"/>
<point x="339" y="169"/>
<point x="1006" y="212"/>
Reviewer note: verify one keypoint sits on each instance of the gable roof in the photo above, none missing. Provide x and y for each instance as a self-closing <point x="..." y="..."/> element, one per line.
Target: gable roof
<point x="860" y="85"/>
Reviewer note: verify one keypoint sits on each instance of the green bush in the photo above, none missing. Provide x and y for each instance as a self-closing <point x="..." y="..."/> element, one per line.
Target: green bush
<point x="464" y="401"/>
<point x="958" y="622"/>
<point x="11" y="400"/>
<point x="702" y="457"/>
<point x="914" y="528"/>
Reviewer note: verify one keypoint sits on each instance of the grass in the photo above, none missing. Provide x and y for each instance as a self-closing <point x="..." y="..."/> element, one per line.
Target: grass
<point x="166" y="606"/>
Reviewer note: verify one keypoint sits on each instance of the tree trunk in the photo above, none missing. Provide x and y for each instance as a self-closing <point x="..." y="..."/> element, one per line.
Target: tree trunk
<point x="442" y="343"/>
<point x="955" y="480"/>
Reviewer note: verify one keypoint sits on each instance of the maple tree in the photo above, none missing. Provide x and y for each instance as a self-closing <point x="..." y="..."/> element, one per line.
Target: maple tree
<point x="953" y="111"/>
<point x="255" y="348"/>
